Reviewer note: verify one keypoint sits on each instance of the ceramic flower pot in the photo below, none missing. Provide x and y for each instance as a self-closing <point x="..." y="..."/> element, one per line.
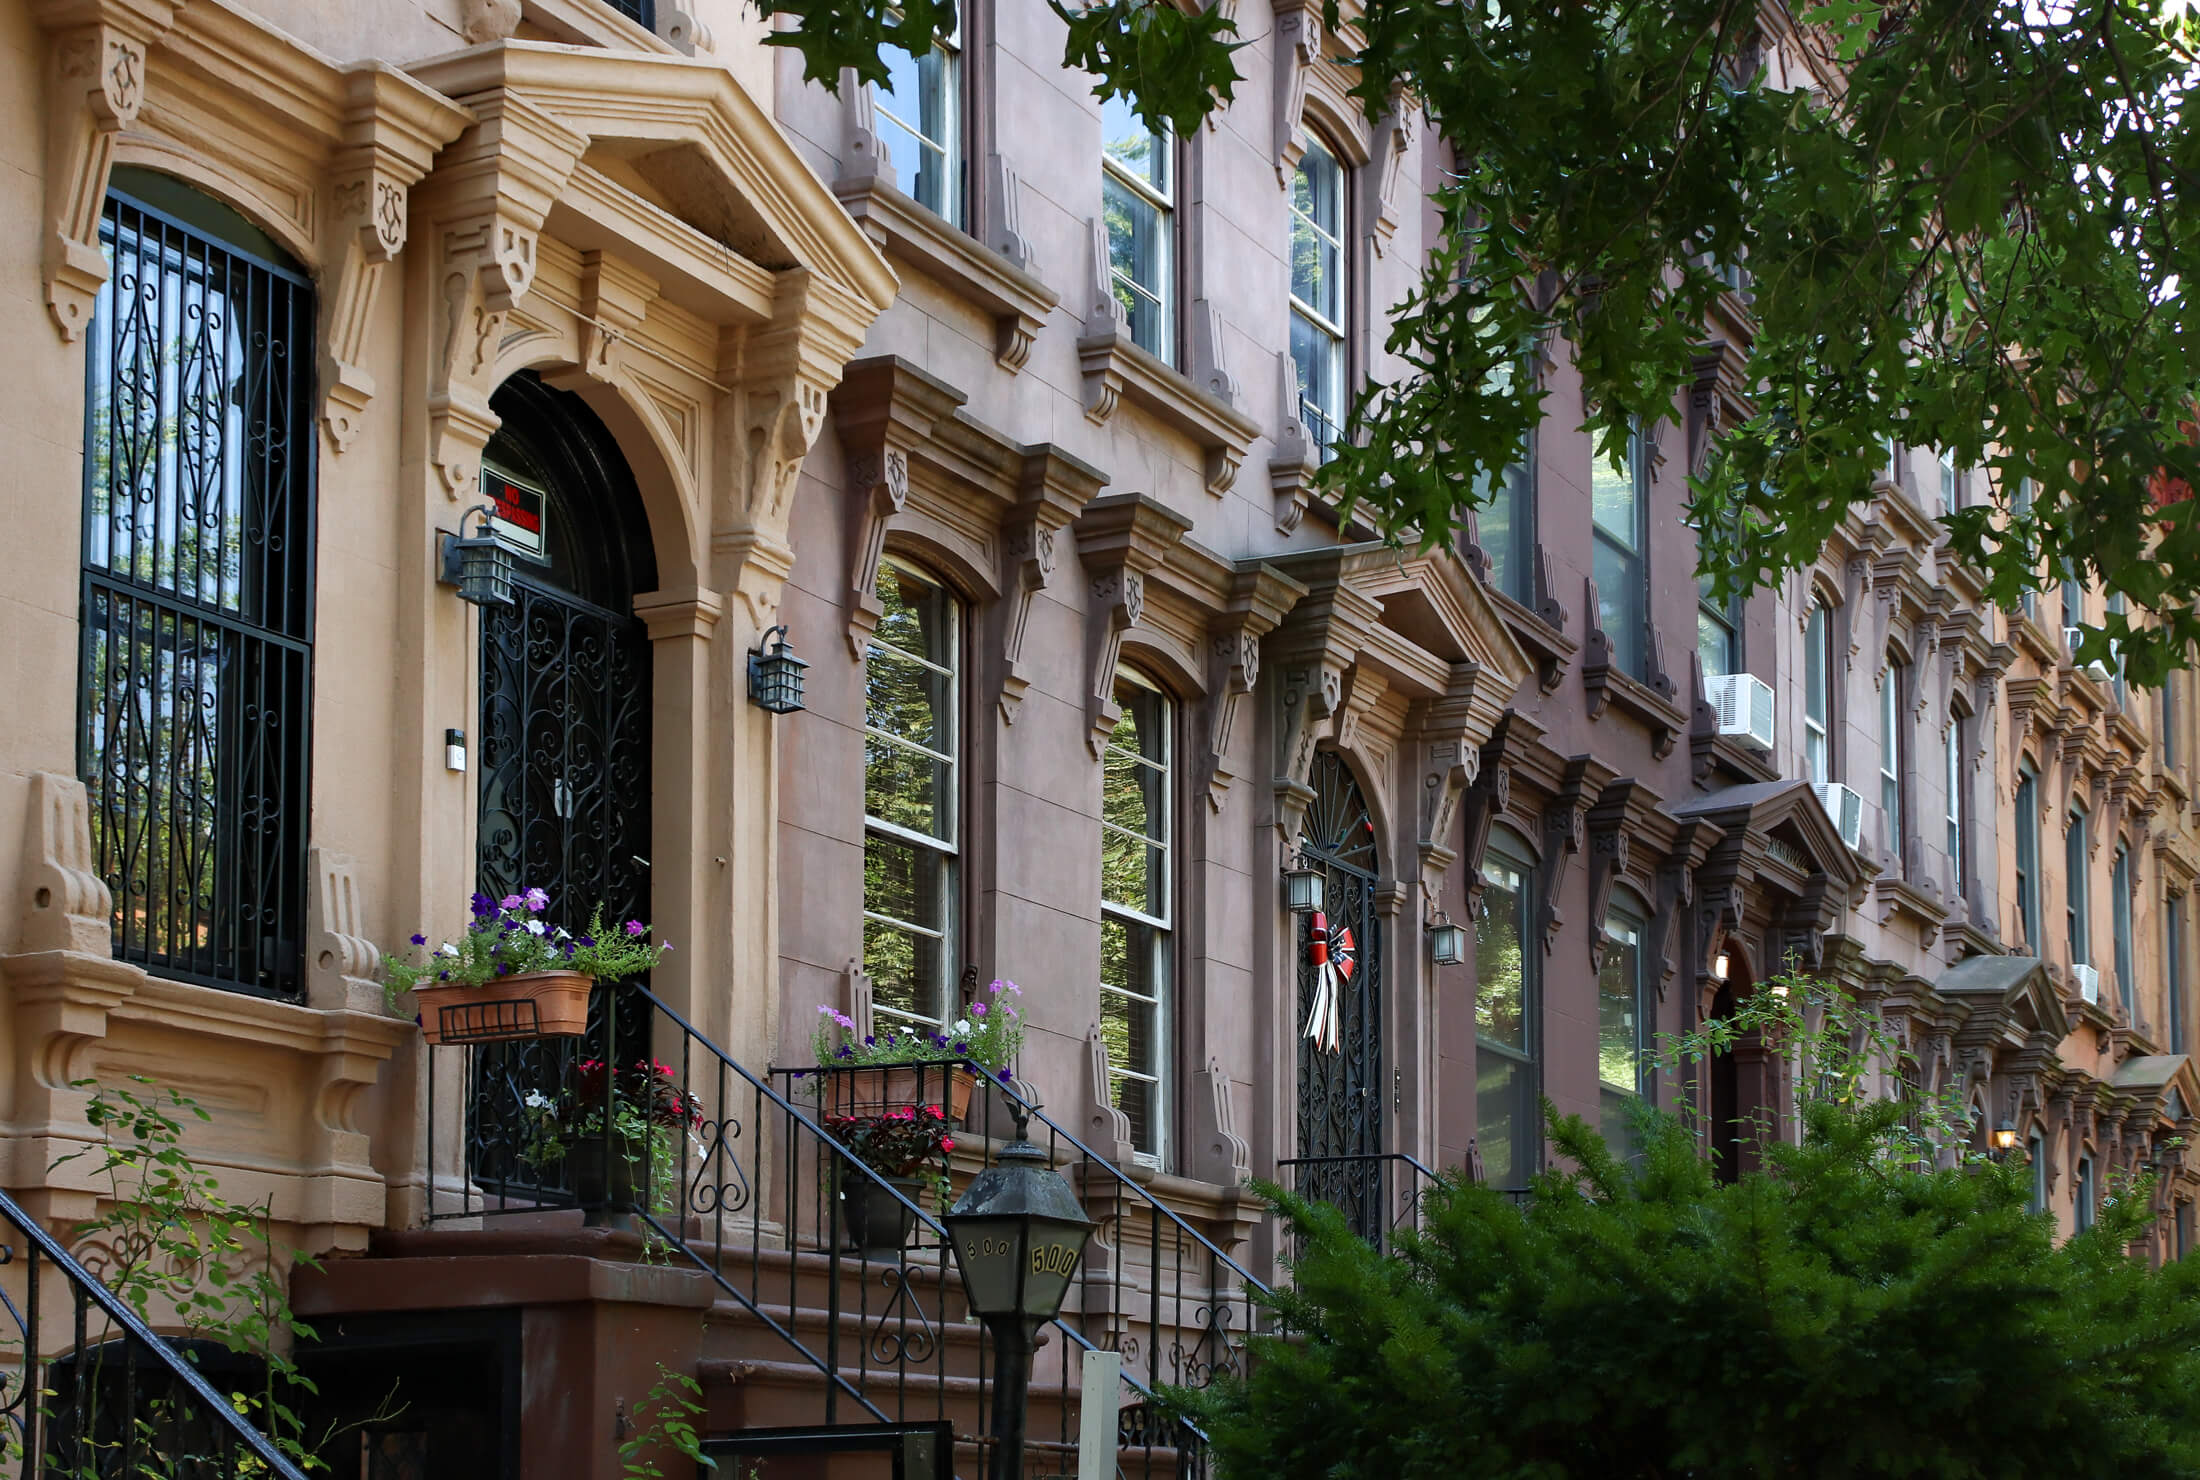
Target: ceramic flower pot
<point x="535" y="1004"/>
<point x="876" y="1223"/>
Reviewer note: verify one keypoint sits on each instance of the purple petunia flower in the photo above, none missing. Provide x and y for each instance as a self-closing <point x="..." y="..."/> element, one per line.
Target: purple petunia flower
<point x="870" y="1040"/>
<point x="962" y="1048"/>
<point x="1003" y="1076"/>
<point x="503" y="969"/>
<point x="977" y="1009"/>
<point x="845" y="1052"/>
<point x="420" y="940"/>
<point x="636" y="927"/>
<point x="482" y="905"/>
<point x="535" y="899"/>
<point x="510" y="902"/>
<point x="587" y="941"/>
<point x="443" y="976"/>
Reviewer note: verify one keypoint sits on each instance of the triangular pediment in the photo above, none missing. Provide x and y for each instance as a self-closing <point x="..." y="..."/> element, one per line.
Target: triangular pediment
<point x="1787" y="813"/>
<point x="1433" y="601"/>
<point x="2007" y="991"/>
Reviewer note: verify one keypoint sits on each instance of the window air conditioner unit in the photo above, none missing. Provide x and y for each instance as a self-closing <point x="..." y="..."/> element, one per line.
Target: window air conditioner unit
<point x="2095" y="670"/>
<point x="1744" y="704"/>
<point x="2089" y="982"/>
<point x="1846" y="809"/>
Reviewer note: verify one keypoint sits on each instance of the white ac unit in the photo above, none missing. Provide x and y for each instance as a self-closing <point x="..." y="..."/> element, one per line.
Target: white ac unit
<point x="1846" y="809"/>
<point x="2072" y="636"/>
<point x="2089" y="982"/>
<point x="1744" y="705"/>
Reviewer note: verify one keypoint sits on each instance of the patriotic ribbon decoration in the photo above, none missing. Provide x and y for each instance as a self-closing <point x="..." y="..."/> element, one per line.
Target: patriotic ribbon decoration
<point x="1333" y="963"/>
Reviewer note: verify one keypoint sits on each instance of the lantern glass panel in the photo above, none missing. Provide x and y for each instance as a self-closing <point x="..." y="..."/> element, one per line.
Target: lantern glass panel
<point x="1302" y="890"/>
<point x="1447" y="943"/>
<point x="1051" y="1258"/>
<point x="990" y="1253"/>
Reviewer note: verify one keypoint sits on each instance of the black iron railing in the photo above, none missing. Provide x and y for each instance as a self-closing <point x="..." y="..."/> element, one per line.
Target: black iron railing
<point x="843" y="1273"/>
<point x="88" y="1391"/>
<point x="1379" y="1193"/>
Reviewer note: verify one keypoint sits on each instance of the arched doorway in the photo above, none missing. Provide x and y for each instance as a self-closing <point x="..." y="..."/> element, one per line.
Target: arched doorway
<point x="564" y="786"/>
<point x="1340" y="1110"/>
<point x="1738" y="1084"/>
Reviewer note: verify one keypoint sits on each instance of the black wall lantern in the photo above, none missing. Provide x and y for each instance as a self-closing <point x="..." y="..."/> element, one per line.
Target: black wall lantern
<point x="775" y="674"/>
<point x="478" y="564"/>
<point x="1018" y="1235"/>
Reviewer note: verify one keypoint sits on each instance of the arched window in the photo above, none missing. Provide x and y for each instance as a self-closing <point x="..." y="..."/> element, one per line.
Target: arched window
<point x="1137" y="908"/>
<point x="1507" y="1009"/>
<point x="1818" y="693"/>
<point x="1623" y="1019"/>
<point x="912" y="804"/>
<point x="1138" y="202"/>
<point x="196" y="706"/>
<point x="1319" y="272"/>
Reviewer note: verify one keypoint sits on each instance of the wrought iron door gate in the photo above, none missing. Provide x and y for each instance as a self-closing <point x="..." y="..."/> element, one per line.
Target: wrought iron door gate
<point x="1341" y="1093"/>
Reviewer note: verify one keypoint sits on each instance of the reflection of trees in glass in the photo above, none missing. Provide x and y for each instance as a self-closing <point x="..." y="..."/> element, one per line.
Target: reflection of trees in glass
<point x="1135" y="905"/>
<point x="910" y="752"/>
<point x="1497" y="967"/>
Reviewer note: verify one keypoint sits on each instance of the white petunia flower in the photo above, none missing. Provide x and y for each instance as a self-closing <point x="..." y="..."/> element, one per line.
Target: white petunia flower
<point x="537" y="1100"/>
<point x="962" y="1026"/>
<point x="447" y="949"/>
<point x="536" y="927"/>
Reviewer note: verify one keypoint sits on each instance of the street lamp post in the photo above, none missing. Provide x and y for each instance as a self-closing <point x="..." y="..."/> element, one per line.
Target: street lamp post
<point x="1018" y="1233"/>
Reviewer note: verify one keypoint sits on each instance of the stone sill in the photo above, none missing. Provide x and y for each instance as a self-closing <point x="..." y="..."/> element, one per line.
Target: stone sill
<point x="1546" y="645"/>
<point x="1899" y="895"/>
<point x="1638" y="701"/>
<point x="592" y="23"/>
<point x="2032" y="639"/>
<point x="1116" y="369"/>
<point x="911" y="235"/>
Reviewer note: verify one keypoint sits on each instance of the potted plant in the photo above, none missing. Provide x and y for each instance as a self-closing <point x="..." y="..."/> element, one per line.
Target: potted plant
<point x="514" y="975"/>
<point x="894" y="1144"/>
<point x="613" y="1167"/>
<point x="907" y="1064"/>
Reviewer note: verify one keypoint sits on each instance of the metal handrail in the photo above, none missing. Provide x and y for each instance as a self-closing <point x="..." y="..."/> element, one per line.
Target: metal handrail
<point x="87" y="1287"/>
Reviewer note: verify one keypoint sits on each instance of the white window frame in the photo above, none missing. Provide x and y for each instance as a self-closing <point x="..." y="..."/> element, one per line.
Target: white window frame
<point x="1329" y="427"/>
<point x="1818" y="732"/>
<point x="1890" y="755"/>
<point x="1163" y="927"/>
<point x="1163" y="201"/>
<point x="950" y="208"/>
<point x="1952" y="746"/>
<point x="948" y="847"/>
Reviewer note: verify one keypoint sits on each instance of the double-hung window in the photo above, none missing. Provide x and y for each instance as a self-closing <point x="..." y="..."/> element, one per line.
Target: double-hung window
<point x="2119" y="928"/>
<point x="1951" y="483"/>
<point x="2116" y="607"/>
<point x="912" y="739"/>
<point x="918" y="109"/>
<point x="1818" y="693"/>
<point x="1505" y="521"/>
<point x="1952" y="748"/>
<point x="1622" y="1023"/>
<point x="1137" y="811"/>
<point x="1617" y="505"/>
<point x="2036" y="1147"/>
<point x="2086" y="1196"/>
<point x="1506" y="1007"/>
<point x="2028" y="860"/>
<point x="2077" y="901"/>
<point x="2169" y="739"/>
<point x="2029" y="603"/>
<point x="2173" y="969"/>
<point x="2073" y="609"/>
<point x="195" y="710"/>
<point x="1318" y="294"/>
<point x="1890" y="756"/>
<point x="1138" y="202"/>
<point x="1718" y="631"/>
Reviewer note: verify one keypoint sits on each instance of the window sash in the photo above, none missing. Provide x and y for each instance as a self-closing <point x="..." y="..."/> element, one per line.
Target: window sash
<point x="1817" y="694"/>
<point x="2028" y="860"/>
<point x="1133" y="1020"/>
<point x="2077" y="891"/>
<point x="2173" y="971"/>
<point x="1891" y="801"/>
<point x="929" y="120"/>
<point x="2119" y="924"/>
<point x="1953" y="743"/>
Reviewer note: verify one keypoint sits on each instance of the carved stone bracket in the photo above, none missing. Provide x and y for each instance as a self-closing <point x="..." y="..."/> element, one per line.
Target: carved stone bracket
<point x="1450" y="759"/>
<point x="856" y="989"/>
<point x="1609" y="848"/>
<point x="1055" y="488"/>
<point x="1260" y="595"/>
<point x="1223" y="1155"/>
<point x="1004" y="228"/>
<point x="1486" y="799"/>
<point x="1210" y="370"/>
<point x="1120" y="539"/>
<point x="615" y="298"/>
<point x="1109" y="1127"/>
<point x="1310" y="652"/>
<point x="1393" y="137"/>
<point x="66" y="906"/>
<point x="1563" y="829"/>
<point x="883" y="408"/>
<point x="1291" y="468"/>
<point x="1676" y="890"/>
<point x="96" y="71"/>
<point x="343" y="967"/>
<point x="1298" y="46"/>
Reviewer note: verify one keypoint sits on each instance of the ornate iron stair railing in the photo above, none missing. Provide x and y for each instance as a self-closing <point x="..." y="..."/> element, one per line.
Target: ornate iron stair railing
<point x="115" y="1399"/>
<point x="1378" y="1192"/>
<point x="738" y="1178"/>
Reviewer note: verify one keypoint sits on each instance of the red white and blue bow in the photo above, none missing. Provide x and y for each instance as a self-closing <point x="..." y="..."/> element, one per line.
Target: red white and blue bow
<point x="1333" y="963"/>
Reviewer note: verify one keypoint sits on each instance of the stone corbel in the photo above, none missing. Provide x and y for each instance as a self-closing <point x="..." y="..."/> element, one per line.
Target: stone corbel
<point x="66" y="904"/>
<point x="1676" y="891"/>
<point x="1291" y="468"/>
<point x="1609" y="849"/>
<point x="1259" y="598"/>
<point x="1563" y="823"/>
<point x="615" y="298"/>
<point x="1004" y="231"/>
<point x="1718" y="910"/>
<point x="1486" y="799"/>
<point x="1109" y="1127"/>
<point x="1298" y="46"/>
<point x="1103" y="316"/>
<point x="343" y="968"/>
<point x="1596" y="650"/>
<point x="864" y="155"/>
<point x="883" y="408"/>
<point x="1209" y="372"/>
<point x="1393" y="137"/>
<point x="1363" y="690"/>
<point x="1055" y="488"/>
<point x="1220" y="1153"/>
<point x="1309" y="653"/>
<point x="856" y="991"/>
<point x="96" y="70"/>
<point x="1120" y="539"/>
<point x="1450" y="760"/>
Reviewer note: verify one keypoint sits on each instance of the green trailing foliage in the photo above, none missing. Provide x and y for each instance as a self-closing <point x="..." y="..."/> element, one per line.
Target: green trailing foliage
<point x="1967" y="228"/>
<point x="1838" y="1314"/>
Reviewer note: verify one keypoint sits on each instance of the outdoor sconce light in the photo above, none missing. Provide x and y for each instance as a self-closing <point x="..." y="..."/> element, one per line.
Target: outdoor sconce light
<point x="2005" y="1139"/>
<point x="454" y="750"/>
<point x="479" y="564"/>
<point x="1302" y="887"/>
<point x="1720" y="965"/>
<point x="775" y="674"/>
<point x="1018" y="1234"/>
<point x="1447" y="943"/>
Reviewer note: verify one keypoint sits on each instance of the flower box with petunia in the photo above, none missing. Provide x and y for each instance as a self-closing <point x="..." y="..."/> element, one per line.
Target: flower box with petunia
<point x="514" y="975"/>
<point x="908" y="1064"/>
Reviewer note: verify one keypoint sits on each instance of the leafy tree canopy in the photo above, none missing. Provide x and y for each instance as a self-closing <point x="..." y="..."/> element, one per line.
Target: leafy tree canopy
<point x="1836" y="1315"/>
<point x="1964" y="220"/>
